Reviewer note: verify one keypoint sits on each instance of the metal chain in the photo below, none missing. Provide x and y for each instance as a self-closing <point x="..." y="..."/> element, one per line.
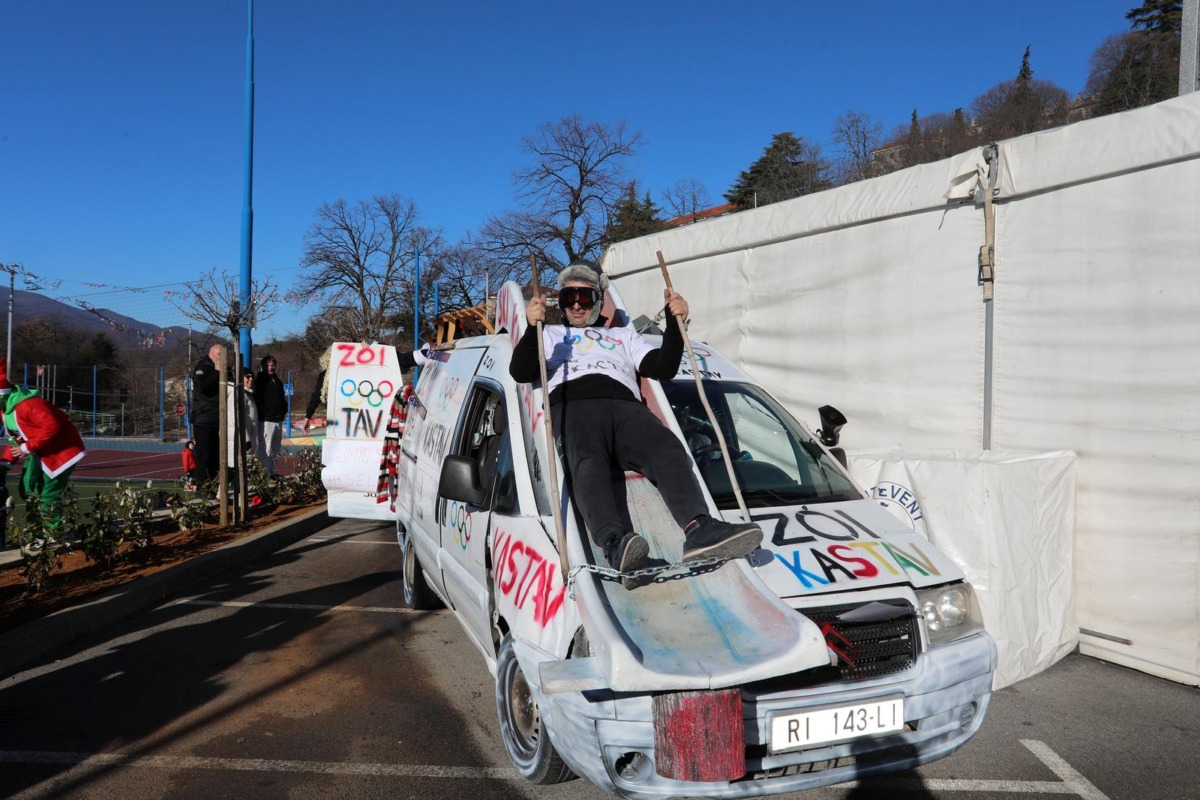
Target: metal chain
<point x="614" y="574"/>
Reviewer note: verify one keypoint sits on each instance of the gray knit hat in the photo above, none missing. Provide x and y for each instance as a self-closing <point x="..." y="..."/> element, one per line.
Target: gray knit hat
<point x="588" y="272"/>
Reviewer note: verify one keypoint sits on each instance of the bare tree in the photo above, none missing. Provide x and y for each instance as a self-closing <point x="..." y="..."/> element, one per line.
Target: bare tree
<point x="1133" y="69"/>
<point x="686" y="198"/>
<point x="361" y="260"/>
<point x="856" y="136"/>
<point x="215" y="301"/>
<point x="466" y="278"/>
<point x="576" y="176"/>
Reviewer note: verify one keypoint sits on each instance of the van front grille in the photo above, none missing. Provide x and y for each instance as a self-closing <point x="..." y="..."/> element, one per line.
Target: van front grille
<point x="864" y="647"/>
<point x="868" y="648"/>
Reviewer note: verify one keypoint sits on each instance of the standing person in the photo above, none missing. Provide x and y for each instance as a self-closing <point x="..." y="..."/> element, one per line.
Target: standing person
<point x="319" y="392"/>
<point x="250" y="418"/>
<point x="272" y="409"/>
<point x="595" y="405"/>
<point x="206" y="419"/>
<point x="49" y="441"/>
<point x="189" y="464"/>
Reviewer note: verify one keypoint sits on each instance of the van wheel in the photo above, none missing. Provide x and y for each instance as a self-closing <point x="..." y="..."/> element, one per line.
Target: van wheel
<point x="525" y="738"/>
<point x="417" y="594"/>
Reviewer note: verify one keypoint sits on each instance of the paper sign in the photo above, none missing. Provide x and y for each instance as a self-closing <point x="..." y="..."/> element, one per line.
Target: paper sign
<point x="363" y="379"/>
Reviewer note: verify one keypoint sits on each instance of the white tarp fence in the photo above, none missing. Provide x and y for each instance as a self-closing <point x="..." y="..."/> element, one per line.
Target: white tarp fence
<point x="866" y="297"/>
<point x="960" y="501"/>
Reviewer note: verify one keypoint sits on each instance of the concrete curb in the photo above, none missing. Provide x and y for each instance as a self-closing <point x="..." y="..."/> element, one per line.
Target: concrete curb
<point x="24" y="644"/>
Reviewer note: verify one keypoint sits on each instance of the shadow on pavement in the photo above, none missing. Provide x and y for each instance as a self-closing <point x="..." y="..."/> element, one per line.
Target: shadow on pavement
<point x="166" y="680"/>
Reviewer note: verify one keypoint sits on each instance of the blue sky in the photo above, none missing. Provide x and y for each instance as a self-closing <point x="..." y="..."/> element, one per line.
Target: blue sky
<point x="122" y="122"/>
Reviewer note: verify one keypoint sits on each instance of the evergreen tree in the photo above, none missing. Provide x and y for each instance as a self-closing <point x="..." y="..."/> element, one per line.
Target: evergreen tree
<point x="914" y="143"/>
<point x="1158" y="16"/>
<point x="789" y="167"/>
<point x="632" y="217"/>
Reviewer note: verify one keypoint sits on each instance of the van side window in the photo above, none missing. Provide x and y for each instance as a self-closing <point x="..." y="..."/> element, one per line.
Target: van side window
<point x="485" y="439"/>
<point x="504" y="495"/>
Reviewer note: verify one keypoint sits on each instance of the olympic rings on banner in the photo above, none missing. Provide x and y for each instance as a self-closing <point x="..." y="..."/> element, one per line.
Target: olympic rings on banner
<point x="365" y="390"/>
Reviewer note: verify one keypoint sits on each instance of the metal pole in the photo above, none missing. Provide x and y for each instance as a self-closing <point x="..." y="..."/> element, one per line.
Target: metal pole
<point x="1189" y="48"/>
<point x="287" y="424"/>
<point x="248" y="194"/>
<point x="162" y="380"/>
<point x="93" y="401"/>
<point x="12" y="282"/>
<point x="416" y="309"/>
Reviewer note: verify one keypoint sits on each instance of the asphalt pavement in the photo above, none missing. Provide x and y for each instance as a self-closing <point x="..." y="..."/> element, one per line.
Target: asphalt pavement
<point x="26" y="643"/>
<point x="298" y="673"/>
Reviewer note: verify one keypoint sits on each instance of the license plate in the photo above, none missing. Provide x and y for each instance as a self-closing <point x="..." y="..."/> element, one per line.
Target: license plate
<point x="824" y="725"/>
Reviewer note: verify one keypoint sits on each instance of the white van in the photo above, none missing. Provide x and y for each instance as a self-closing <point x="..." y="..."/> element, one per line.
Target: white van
<point x="846" y="647"/>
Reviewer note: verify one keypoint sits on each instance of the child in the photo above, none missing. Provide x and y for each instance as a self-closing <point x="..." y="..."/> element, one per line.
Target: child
<point x="189" y="465"/>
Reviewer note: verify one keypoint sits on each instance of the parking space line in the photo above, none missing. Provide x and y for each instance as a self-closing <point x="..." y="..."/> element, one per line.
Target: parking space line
<point x="1069" y="775"/>
<point x="966" y="785"/>
<point x="343" y="540"/>
<point x="91" y="760"/>
<point x="192" y="601"/>
<point x="1072" y="782"/>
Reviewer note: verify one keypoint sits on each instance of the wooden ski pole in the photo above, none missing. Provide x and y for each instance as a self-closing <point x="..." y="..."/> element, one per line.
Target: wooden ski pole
<point x="712" y="418"/>
<point x="560" y="533"/>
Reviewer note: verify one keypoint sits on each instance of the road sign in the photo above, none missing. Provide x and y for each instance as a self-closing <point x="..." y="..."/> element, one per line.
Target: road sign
<point x="180" y="409"/>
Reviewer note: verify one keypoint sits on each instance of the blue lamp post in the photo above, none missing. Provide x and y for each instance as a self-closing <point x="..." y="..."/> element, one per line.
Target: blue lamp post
<point x="248" y="194"/>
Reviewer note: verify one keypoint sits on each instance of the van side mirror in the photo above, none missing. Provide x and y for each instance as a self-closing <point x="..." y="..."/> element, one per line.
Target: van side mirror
<point x="459" y="481"/>
<point x="832" y="421"/>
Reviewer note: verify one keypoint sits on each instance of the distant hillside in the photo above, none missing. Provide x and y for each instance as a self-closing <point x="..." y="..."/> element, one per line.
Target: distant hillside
<point x="122" y="329"/>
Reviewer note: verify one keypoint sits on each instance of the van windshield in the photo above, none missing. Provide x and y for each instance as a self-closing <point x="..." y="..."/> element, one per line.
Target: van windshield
<point x="776" y="462"/>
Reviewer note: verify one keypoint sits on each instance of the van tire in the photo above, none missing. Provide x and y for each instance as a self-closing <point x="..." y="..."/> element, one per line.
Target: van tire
<point x="417" y="594"/>
<point x="526" y="740"/>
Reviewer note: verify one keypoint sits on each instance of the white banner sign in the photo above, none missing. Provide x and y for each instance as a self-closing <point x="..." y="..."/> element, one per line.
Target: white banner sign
<point x="363" y="379"/>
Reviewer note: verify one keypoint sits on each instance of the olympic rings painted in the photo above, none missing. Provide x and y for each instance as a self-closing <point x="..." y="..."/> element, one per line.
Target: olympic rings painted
<point x="459" y="521"/>
<point x="364" y="390"/>
<point x="448" y="393"/>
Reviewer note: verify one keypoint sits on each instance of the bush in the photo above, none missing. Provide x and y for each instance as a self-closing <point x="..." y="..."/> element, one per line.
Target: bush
<point x="41" y="549"/>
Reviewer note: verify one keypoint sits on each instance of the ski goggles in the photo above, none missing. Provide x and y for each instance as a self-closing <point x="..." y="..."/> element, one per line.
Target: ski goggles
<point x="585" y="296"/>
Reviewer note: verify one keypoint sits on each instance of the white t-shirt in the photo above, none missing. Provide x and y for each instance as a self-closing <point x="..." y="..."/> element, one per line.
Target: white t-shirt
<point x="577" y="352"/>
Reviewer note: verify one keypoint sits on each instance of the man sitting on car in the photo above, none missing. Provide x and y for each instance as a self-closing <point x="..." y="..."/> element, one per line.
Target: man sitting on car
<point x="595" y="404"/>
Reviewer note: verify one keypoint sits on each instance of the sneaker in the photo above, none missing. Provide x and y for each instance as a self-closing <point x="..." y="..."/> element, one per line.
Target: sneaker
<point x="707" y="537"/>
<point x="627" y="555"/>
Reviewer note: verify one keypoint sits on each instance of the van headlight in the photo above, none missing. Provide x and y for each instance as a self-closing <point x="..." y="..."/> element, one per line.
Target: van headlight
<point x="950" y="612"/>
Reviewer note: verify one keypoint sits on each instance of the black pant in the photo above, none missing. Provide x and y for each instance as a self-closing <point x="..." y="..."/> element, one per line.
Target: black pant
<point x="601" y="439"/>
<point x="208" y="451"/>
